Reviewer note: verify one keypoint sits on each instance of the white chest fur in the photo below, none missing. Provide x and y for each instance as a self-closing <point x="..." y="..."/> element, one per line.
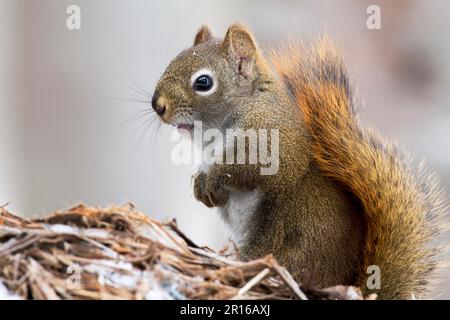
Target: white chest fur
<point x="239" y="211"/>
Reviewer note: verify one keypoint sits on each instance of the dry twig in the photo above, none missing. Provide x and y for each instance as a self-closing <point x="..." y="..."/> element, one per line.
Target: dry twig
<point x="120" y="253"/>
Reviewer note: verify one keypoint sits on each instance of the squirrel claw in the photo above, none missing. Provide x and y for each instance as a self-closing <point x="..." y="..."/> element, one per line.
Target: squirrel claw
<point x="211" y="194"/>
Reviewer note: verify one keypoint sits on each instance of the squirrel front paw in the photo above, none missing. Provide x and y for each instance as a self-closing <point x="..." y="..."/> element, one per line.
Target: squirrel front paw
<point x="209" y="190"/>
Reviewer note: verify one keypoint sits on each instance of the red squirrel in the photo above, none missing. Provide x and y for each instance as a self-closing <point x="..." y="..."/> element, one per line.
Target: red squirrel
<point x="343" y="198"/>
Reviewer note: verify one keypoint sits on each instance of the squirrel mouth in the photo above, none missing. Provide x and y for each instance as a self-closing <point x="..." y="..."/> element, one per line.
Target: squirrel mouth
<point x="185" y="126"/>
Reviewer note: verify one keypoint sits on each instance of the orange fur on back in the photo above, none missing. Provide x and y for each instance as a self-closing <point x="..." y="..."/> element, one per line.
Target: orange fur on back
<point x="403" y="205"/>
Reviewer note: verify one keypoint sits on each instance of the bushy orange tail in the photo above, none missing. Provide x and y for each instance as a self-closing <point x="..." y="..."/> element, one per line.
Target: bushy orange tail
<point x="402" y="204"/>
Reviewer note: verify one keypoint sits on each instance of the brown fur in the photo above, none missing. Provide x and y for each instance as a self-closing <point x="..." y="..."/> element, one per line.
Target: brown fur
<point x="203" y="35"/>
<point x="402" y="204"/>
<point x="342" y="199"/>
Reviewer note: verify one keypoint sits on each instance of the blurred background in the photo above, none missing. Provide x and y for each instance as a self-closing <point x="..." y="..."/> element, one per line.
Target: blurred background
<point x="66" y="138"/>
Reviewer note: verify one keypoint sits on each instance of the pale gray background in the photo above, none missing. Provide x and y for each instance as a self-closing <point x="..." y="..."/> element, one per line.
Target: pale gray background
<point x="61" y="139"/>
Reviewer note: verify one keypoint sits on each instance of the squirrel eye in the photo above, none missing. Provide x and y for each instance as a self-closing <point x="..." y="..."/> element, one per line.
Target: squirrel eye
<point x="203" y="83"/>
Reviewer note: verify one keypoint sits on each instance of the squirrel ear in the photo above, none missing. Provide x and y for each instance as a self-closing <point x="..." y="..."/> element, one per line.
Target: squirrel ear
<point x="239" y="48"/>
<point x="203" y="35"/>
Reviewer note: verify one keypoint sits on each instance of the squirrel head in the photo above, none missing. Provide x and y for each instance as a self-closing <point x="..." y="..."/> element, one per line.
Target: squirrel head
<point x="204" y="82"/>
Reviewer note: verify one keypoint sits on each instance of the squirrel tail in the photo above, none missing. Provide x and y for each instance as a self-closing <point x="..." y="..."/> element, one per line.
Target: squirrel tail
<point x="402" y="203"/>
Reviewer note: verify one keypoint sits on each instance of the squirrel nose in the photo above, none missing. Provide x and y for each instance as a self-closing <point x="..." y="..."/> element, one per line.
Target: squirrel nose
<point x="158" y="105"/>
